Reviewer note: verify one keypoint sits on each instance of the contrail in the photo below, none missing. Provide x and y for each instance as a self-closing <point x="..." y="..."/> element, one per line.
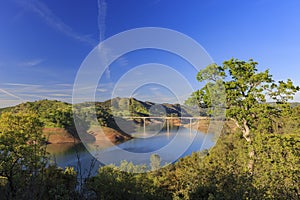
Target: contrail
<point x="53" y="21"/>
<point x="10" y="94"/>
<point x="102" y="8"/>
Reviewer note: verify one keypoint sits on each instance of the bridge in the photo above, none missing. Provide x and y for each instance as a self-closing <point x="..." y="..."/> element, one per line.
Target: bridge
<point x="167" y="119"/>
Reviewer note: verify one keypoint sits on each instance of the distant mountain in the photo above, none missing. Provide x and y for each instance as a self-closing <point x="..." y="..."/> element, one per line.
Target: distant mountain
<point x="293" y="104"/>
<point x="134" y="107"/>
<point x="54" y="113"/>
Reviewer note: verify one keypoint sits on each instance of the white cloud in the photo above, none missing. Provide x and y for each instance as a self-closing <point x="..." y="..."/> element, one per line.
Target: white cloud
<point x="102" y="90"/>
<point x="21" y="84"/>
<point x="31" y="63"/>
<point x="65" y="85"/>
<point x="9" y="92"/>
<point x="297" y="97"/>
<point x="60" y="95"/>
<point x="154" y="88"/>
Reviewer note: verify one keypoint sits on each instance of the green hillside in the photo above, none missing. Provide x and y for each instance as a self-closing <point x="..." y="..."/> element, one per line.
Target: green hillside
<point x="57" y="117"/>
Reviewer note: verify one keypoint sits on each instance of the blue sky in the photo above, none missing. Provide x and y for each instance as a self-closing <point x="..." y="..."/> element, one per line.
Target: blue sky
<point x="43" y="43"/>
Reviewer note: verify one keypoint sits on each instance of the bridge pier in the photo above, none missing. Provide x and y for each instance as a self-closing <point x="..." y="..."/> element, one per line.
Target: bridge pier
<point x="168" y="124"/>
<point x="191" y="125"/>
<point x="144" y="123"/>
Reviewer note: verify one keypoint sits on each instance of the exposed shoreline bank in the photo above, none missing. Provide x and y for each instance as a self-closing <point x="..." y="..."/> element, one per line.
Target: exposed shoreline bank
<point x="106" y="134"/>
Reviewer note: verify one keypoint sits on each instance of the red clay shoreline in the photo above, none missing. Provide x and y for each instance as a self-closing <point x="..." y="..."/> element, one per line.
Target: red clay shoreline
<point x="62" y="136"/>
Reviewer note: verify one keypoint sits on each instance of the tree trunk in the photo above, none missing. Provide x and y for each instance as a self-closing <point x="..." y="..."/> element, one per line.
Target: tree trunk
<point x="246" y="135"/>
<point x="246" y="131"/>
<point x="251" y="161"/>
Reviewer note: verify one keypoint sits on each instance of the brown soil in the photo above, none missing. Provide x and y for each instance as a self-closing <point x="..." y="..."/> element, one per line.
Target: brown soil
<point x="59" y="136"/>
<point x="106" y="134"/>
<point x="103" y="135"/>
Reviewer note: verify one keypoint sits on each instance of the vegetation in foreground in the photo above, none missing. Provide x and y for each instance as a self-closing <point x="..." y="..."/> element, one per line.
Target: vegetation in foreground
<point x="258" y="161"/>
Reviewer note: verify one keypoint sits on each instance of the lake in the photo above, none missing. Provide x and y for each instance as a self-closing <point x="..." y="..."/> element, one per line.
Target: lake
<point x="169" y="145"/>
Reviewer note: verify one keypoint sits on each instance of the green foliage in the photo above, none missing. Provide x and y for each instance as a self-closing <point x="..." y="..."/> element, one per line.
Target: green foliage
<point x="22" y="144"/>
<point x="57" y="183"/>
<point x="126" y="107"/>
<point x="137" y="108"/>
<point x="245" y="92"/>
<point x="22" y="154"/>
<point x="113" y="183"/>
<point x="129" y="167"/>
<point x="155" y="162"/>
<point x="56" y="114"/>
<point x="86" y="113"/>
<point x="51" y="113"/>
<point x="223" y="174"/>
<point x="265" y="155"/>
<point x="278" y="166"/>
<point x="219" y="174"/>
<point x="23" y="159"/>
<point x="289" y="122"/>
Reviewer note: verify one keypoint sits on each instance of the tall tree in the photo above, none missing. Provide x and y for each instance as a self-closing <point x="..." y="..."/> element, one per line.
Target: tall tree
<point x="22" y="153"/>
<point x="245" y="96"/>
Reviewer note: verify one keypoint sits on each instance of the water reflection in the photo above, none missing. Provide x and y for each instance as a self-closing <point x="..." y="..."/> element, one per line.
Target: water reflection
<point x="168" y="145"/>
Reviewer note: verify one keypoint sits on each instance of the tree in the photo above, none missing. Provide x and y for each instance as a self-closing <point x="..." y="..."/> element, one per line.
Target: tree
<point x="277" y="156"/>
<point x="58" y="184"/>
<point x="113" y="183"/>
<point x="22" y="154"/>
<point x="245" y="96"/>
<point x="155" y="162"/>
<point x="290" y="121"/>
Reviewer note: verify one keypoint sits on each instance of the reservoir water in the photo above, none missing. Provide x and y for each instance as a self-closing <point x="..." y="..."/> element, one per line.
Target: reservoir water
<point x="169" y="145"/>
